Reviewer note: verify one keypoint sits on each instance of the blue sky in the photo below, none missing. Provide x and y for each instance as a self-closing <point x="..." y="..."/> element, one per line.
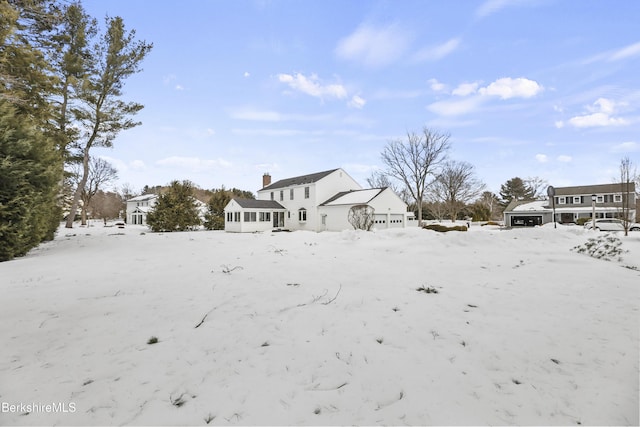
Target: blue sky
<point x="233" y="89"/>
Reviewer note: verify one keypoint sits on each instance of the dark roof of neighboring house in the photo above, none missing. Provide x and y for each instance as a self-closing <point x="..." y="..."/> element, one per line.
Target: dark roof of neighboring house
<point x="593" y="189"/>
<point x="368" y="193"/>
<point x="299" y="180"/>
<point x="258" y="204"/>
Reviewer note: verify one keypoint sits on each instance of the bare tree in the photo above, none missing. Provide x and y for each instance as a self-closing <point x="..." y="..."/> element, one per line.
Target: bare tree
<point x="415" y="160"/>
<point x="379" y="179"/>
<point x="361" y="217"/>
<point x="106" y="205"/>
<point x="628" y="178"/>
<point x="101" y="173"/>
<point x="492" y="203"/>
<point x="457" y="185"/>
<point x="538" y="186"/>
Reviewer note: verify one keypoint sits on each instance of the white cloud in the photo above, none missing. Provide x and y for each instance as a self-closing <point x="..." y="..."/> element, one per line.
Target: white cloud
<point x="596" y="120"/>
<point x="312" y="86"/>
<point x="249" y="113"/>
<point x="137" y="165"/>
<point x="617" y="54"/>
<point x="564" y="158"/>
<point x="193" y="163"/>
<point x="602" y="111"/>
<point x="456" y="107"/>
<point x="625" y="52"/>
<point x="507" y="88"/>
<point x="465" y="89"/>
<point x="435" y="53"/>
<point x="626" y="147"/>
<point x="436" y="86"/>
<point x="374" y="46"/>
<point x="179" y="87"/>
<point x="357" y="102"/>
<point x="542" y="158"/>
<point x="490" y="7"/>
<point x="246" y="74"/>
<point x="559" y="124"/>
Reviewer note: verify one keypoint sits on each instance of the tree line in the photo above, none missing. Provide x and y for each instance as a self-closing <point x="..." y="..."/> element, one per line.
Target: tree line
<point x="419" y="169"/>
<point x="61" y="82"/>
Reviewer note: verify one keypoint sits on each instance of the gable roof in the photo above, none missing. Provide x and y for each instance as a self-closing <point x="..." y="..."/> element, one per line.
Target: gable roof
<point x="354" y="197"/>
<point x="299" y="180"/>
<point x="258" y="204"/>
<point x="593" y="189"/>
<point x="143" y="197"/>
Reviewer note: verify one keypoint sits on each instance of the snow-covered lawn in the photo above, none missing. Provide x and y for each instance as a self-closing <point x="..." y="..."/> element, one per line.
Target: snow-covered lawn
<point x="324" y="329"/>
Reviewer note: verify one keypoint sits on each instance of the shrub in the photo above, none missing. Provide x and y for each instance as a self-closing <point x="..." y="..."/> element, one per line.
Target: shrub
<point x="443" y="228"/>
<point x="582" y="221"/>
<point x="605" y="247"/>
<point x="491" y="223"/>
<point x="176" y="209"/>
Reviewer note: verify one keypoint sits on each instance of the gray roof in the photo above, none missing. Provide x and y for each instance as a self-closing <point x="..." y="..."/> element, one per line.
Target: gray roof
<point x="368" y="194"/>
<point x="258" y="204"/>
<point x="299" y="180"/>
<point x="592" y="189"/>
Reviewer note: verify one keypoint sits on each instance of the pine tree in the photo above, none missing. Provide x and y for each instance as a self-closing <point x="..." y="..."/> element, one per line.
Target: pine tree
<point x="29" y="179"/>
<point x="175" y="209"/>
<point x="515" y="189"/>
<point x="30" y="166"/>
<point x="115" y="57"/>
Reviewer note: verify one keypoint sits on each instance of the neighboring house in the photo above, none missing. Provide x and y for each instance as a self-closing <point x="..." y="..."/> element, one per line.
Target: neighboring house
<point x="314" y="202"/>
<point x="572" y="203"/>
<point x="139" y="207"/>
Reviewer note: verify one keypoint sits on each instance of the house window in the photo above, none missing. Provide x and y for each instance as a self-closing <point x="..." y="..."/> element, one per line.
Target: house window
<point x="249" y="217"/>
<point x="281" y="195"/>
<point x="324" y="220"/>
<point x="599" y="199"/>
<point x="617" y="198"/>
<point x="561" y="200"/>
<point x="229" y="216"/>
<point x="302" y="215"/>
<point x="236" y="217"/>
<point x="306" y="192"/>
<point x="291" y="194"/>
<point x="272" y="195"/>
<point x="265" y="216"/>
<point x="577" y="200"/>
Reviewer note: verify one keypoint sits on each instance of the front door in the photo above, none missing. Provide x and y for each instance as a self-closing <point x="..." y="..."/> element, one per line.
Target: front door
<point x="566" y="218"/>
<point x="278" y="219"/>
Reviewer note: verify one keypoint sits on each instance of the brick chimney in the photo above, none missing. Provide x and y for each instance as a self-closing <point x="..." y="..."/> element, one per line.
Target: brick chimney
<point x="266" y="180"/>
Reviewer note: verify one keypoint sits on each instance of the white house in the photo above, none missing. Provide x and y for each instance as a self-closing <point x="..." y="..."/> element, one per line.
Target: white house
<point x="315" y="202"/>
<point x="139" y="207"/>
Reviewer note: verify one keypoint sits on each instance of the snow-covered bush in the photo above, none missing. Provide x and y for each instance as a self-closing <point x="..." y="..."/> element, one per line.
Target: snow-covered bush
<point x="605" y="247"/>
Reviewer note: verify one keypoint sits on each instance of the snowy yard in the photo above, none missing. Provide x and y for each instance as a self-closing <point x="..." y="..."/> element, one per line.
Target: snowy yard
<point x="510" y="327"/>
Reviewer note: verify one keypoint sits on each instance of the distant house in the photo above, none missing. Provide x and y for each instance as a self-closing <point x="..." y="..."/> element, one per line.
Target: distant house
<point x="572" y="203"/>
<point x="316" y="202"/>
<point x="138" y="208"/>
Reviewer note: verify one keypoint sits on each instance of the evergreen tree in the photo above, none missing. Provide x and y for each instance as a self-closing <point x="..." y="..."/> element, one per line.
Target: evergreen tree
<point x="29" y="179"/>
<point x="214" y="218"/>
<point x="30" y="167"/>
<point x="114" y="58"/>
<point x="515" y="189"/>
<point x="175" y="209"/>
